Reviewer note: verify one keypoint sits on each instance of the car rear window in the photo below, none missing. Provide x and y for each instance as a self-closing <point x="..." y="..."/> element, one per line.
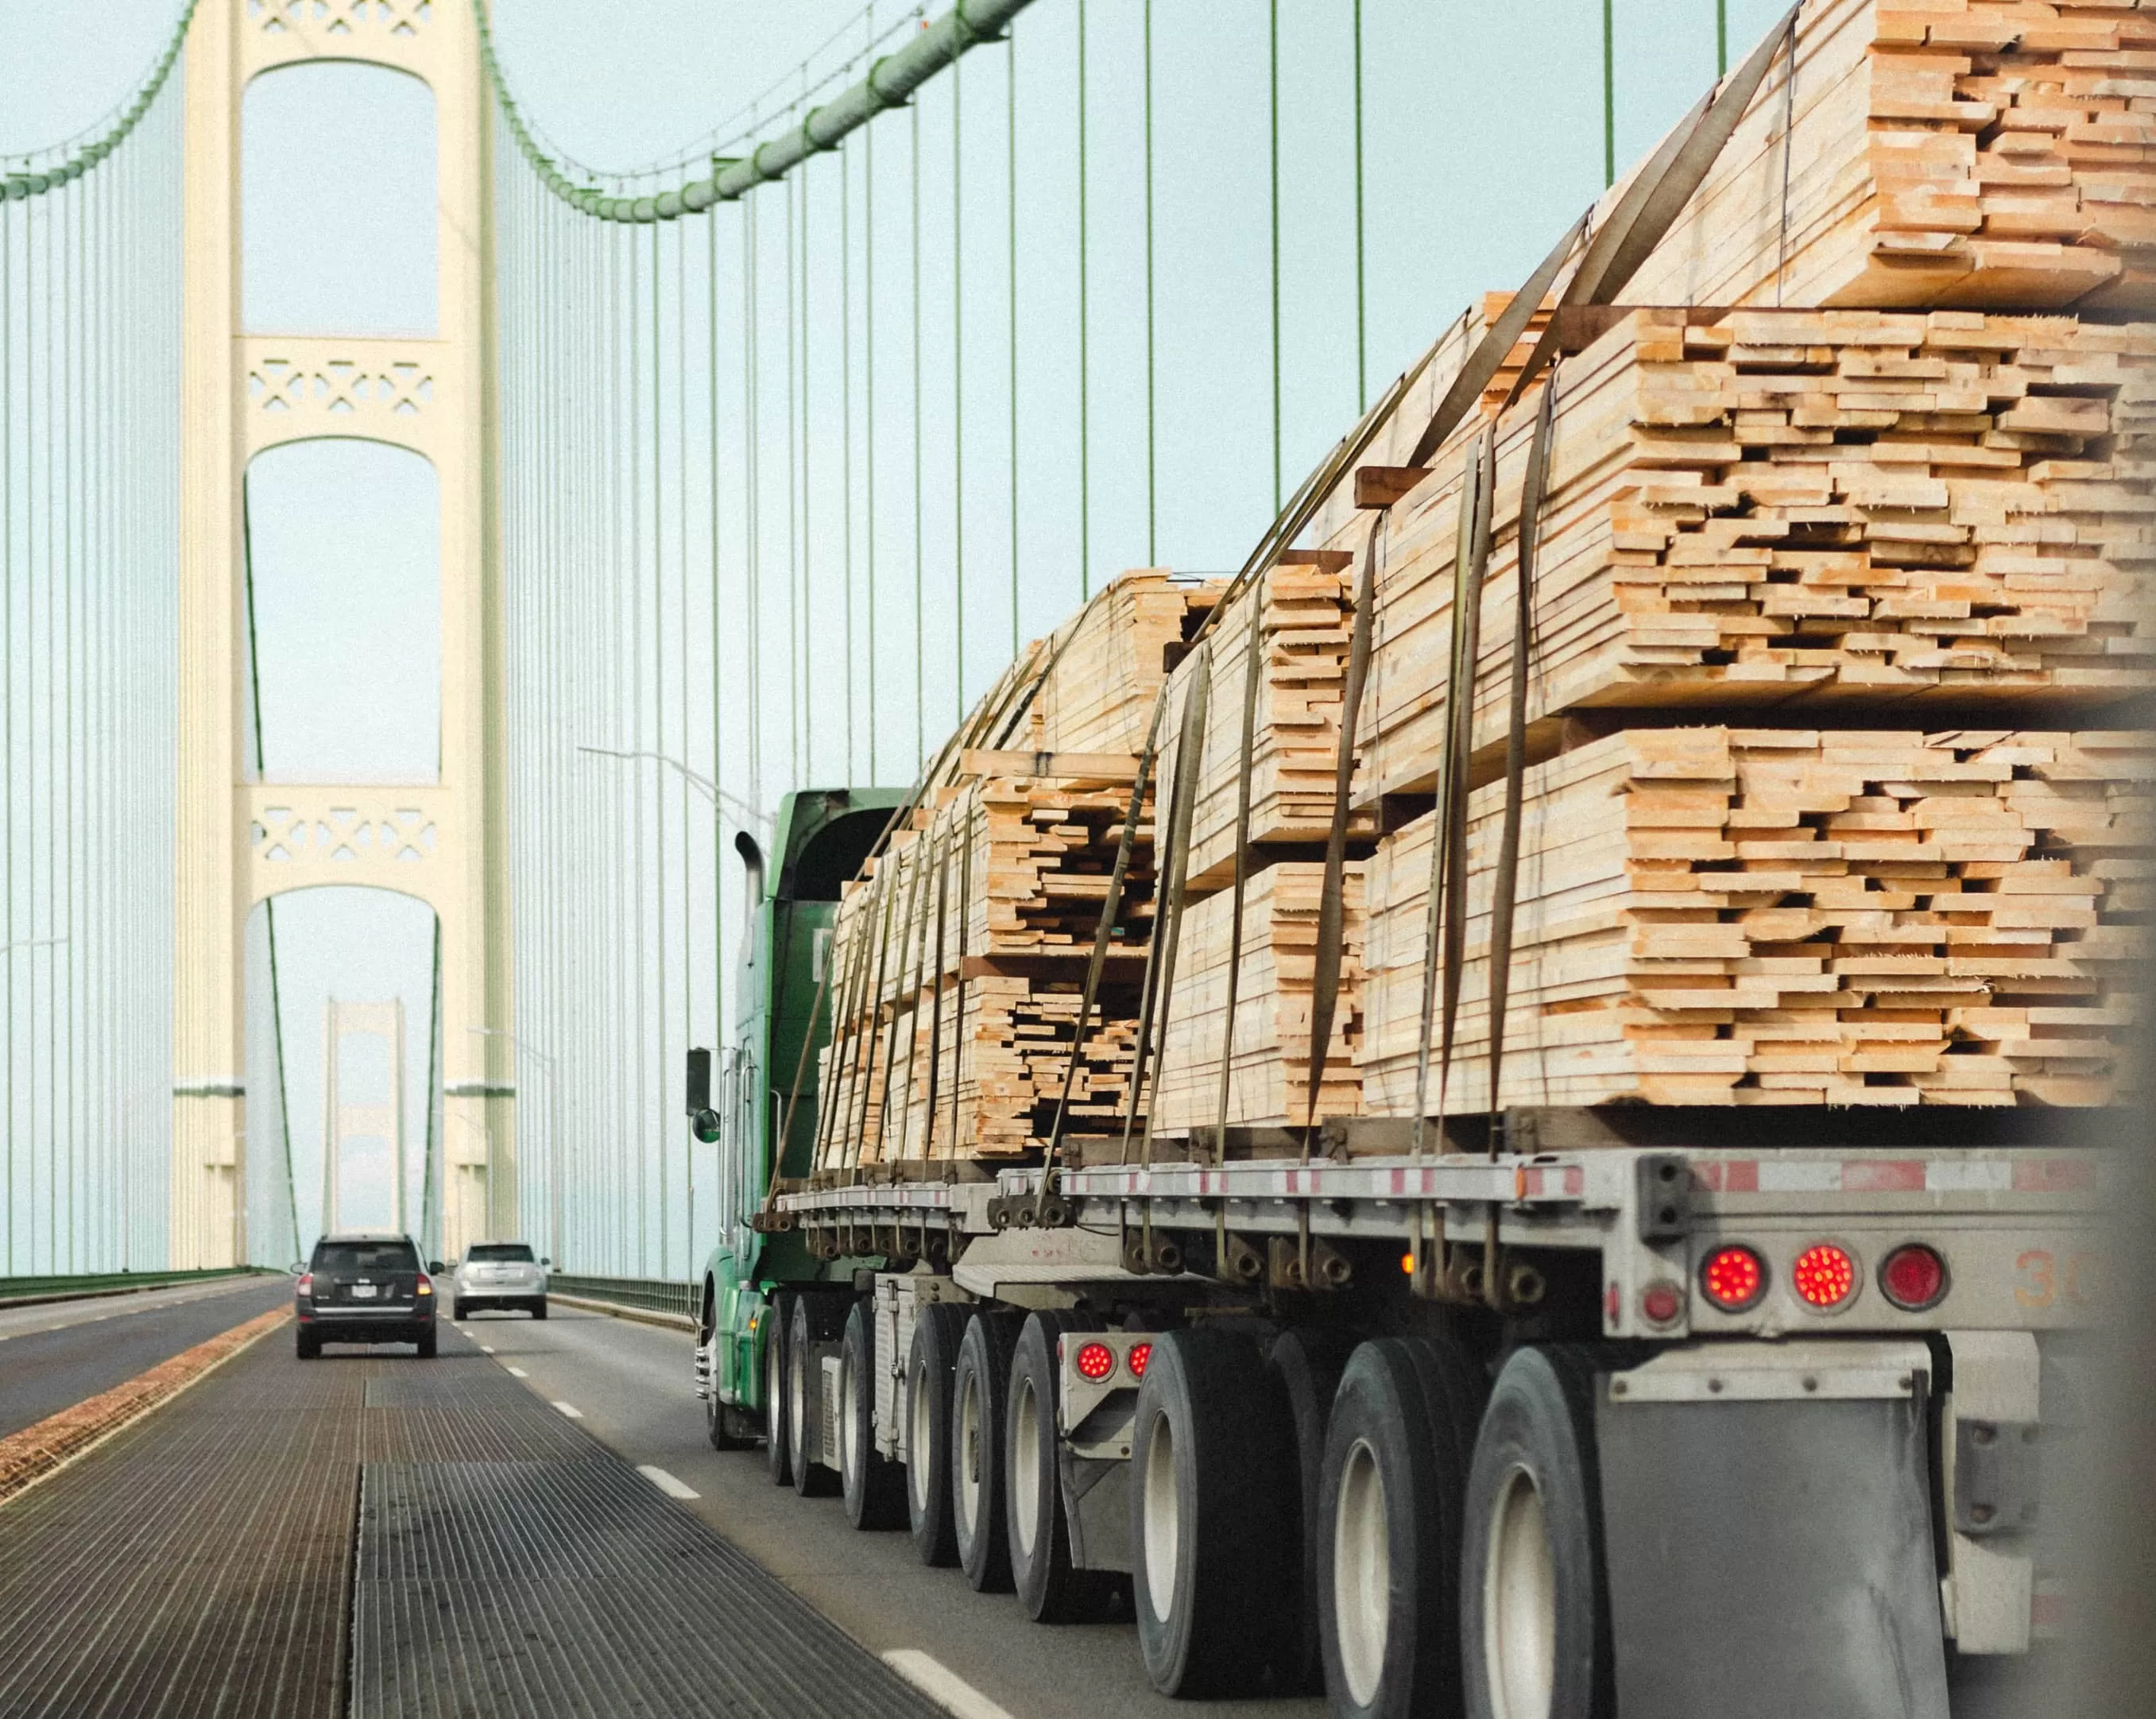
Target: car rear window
<point x="517" y="1252"/>
<point x="366" y="1256"/>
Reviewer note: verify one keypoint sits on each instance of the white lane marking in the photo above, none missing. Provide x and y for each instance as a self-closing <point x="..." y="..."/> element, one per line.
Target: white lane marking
<point x="942" y="1685"/>
<point x="519" y="1373"/>
<point x="567" y="1409"/>
<point x="666" y="1483"/>
<point x="487" y="1348"/>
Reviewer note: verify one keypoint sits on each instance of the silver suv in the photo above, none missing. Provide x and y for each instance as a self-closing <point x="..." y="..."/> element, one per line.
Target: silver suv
<point x="498" y="1274"/>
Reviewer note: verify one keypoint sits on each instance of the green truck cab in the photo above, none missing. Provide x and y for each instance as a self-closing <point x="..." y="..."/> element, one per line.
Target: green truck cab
<point x="819" y="841"/>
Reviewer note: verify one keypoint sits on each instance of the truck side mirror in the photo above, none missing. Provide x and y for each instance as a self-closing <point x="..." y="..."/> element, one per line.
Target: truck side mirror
<point x="704" y="1125"/>
<point x="700" y="1080"/>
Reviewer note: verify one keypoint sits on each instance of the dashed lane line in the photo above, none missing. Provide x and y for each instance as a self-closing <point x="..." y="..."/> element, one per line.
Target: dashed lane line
<point x="943" y="1686"/>
<point x="567" y="1409"/>
<point x="518" y="1372"/>
<point x="666" y="1483"/>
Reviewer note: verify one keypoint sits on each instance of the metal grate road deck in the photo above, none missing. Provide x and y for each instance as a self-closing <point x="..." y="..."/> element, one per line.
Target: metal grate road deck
<point x="432" y="1526"/>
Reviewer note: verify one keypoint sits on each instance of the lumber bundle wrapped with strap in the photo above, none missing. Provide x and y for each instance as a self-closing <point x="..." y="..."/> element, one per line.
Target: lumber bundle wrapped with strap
<point x="1287" y="710"/>
<point x="959" y="958"/>
<point x="1720" y="916"/>
<point x="1986" y="153"/>
<point x="1269" y="1079"/>
<point x="1815" y="510"/>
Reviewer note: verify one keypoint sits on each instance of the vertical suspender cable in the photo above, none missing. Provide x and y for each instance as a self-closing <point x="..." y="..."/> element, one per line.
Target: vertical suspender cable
<point x="920" y="725"/>
<point x="808" y="765"/>
<point x="8" y="712"/>
<point x="681" y="697"/>
<point x="719" y="1039"/>
<point x="868" y="428"/>
<point x="659" y="1111"/>
<point x="957" y="391"/>
<point x="751" y="332"/>
<point x="846" y="418"/>
<point x="1609" y="93"/>
<point x="1152" y="465"/>
<point x="1084" y="369"/>
<point x="1010" y="233"/>
<point x="1721" y="38"/>
<point x="1272" y="153"/>
<point x="1361" y="317"/>
<point x="794" y="615"/>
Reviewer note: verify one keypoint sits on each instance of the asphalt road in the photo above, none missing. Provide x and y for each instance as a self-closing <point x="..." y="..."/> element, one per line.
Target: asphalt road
<point x="54" y="1355"/>
<point x="630" y="1384"/>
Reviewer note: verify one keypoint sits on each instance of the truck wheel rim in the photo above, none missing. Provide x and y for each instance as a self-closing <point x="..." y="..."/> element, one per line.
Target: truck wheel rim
<point x="917" y="1441"/>
<point x="1025" y="1465"/>
<point x="1519" y="1603"/>
<point x="1163" y="1519"/>
<point x="849" y="1435"/>
<point x="797" y="1403"/>
<point x="771" y="1381"/>
<point x="969" y="1452"/>
<point x="1362" y="1573"/>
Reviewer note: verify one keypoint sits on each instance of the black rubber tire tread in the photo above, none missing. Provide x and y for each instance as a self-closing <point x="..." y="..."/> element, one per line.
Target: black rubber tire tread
<point x="938" y="1329"/>
<point x="1415" y="1402"/>
<point x="1232" y="1448"/>
<point x="427" y="1346"/>
<point x="1307" y="1360"/>
<point x="1050" y="1587"/>
<point x="310" y="1347"/>
<point x="722" y="1423"/>
<point x="816" y="1318"/>
<point x="875" y="1496"/>
<point x="1541" y="1418"/>
<point x="985" y="1353"/>
<point x="777" y="1320"/>
<point x="457" y="1311"/>
<point x="539" y="1308"/>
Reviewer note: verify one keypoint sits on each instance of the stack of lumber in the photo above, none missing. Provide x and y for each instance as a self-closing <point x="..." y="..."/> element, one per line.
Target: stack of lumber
<point x="1944" y="153"/>
<point x="1818" y="511"/>
<point x="1269" y="1081"/>
<point x="1719" y="915"/>
<point x="1099" y="696"/>
<point x="1304" y="613"/>
<point x="961" y="952"/>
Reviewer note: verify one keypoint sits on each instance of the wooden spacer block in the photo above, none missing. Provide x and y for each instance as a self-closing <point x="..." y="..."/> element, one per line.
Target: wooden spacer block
<point x="1382" y="485"/>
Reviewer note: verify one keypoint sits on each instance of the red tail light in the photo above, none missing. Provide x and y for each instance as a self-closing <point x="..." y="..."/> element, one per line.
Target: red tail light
<point x="1913" y="1277"/>
<point x="1096" y="1362"/>
<point x="1141" y="1353"/>
<point x="306" y="1283"/>
<point x="1823" y="1275"/>
<point x="426" y="1284"/>
<point x="1733" y="1278"/>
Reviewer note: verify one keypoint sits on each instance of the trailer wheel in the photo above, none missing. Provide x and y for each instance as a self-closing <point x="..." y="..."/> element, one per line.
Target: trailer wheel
<point x="815" y="1318"/>
<point x="775" y="1321"/>
<point x="980" y="1383"/>
<point x="870" y="1482"/>
<point x="1396" y="1460"/>
<point x="1212" y="1498"/>
<point x="1307" y="1360"/>
<point x="1535" y="1612"/>
<point x="938" y="1329"/>
<point x="1050" y="1588"/>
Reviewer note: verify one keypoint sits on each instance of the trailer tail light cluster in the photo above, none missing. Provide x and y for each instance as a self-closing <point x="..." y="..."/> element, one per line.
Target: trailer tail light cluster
<point x="1140" y="1354"/>
<point x="1823" y="1275"/>
<point x="1096" y="1362"/>
<point x="1913" y="1277"/>
<point x="1734" y="1278"/>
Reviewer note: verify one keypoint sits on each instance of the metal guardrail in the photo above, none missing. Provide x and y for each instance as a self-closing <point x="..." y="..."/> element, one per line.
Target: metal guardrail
<point x="654" y="1295"/>
<point x="113" y="1283"/>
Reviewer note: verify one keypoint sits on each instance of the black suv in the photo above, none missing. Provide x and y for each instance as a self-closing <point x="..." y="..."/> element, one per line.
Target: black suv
<point x="366" y="1288"/>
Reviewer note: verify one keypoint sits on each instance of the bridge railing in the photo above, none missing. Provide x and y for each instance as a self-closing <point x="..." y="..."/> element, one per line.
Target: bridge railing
<point x="654" y="1294"/>
<point x="69" y="1288"/>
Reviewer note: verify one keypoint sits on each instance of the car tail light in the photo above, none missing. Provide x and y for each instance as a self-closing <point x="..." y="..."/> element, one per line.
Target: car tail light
<point x="1733" y="1278"/>
<point x="1140" y="1355"/>
<point x="1096" y="1362"/>
<point x="306" y="1283"/>
<point x="426" y="1284"/>
<point x="1913" y="1277"/>
<point x="1823" y="1275"/>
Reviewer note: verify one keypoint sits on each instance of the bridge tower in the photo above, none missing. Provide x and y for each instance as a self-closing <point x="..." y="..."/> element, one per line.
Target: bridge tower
<point x="238" y="842"/>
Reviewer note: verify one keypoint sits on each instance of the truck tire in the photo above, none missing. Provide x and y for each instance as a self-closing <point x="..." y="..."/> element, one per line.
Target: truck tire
<point x="816" y="1318"/>
<point x="1307" y="1360"/>
<point x="939" y="1328"/>
<point x="1050" y="1587"/>
<point x="724" y="1425"/>
<point x="774" y="1322"/>
<point x="1534" y="1621"/>
<point x="871" y="1483"/>
<point x="1213" y="1540"/>
<point x="980" y="1382"/>
<point x="1396" y="1460"/>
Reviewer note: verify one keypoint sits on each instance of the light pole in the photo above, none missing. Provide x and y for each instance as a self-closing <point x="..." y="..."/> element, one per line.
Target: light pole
<point x="704" y="785"/>
<point x="553" y="1131"/>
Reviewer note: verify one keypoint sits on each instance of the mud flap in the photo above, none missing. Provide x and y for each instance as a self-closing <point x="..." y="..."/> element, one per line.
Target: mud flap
<point x="1769" y="1534"/>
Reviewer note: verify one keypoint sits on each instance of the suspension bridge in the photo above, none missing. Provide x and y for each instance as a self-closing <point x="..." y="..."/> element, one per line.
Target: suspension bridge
<point x="458" y="601"/>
